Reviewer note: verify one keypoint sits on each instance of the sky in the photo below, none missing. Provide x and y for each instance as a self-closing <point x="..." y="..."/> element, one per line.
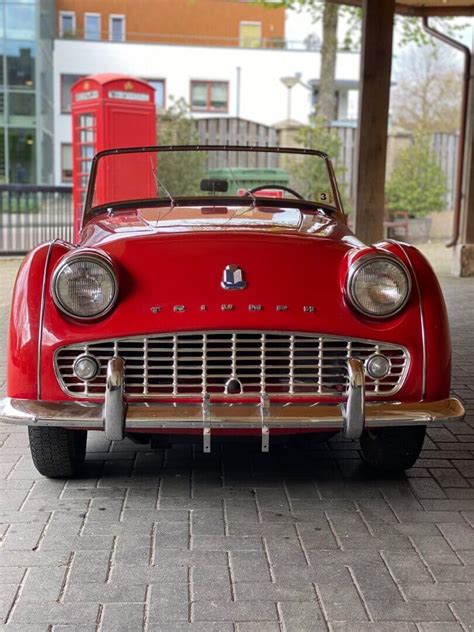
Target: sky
<point x="299" y="26"/>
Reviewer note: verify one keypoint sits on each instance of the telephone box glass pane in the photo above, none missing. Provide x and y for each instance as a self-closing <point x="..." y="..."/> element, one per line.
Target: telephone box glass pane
<point x="87" y="151"/>
<point x="86" y="120"/>
<point x="86" y="136"/>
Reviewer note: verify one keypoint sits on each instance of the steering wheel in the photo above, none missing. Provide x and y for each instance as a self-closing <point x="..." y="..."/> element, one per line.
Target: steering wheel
<point x="279" y="187"/>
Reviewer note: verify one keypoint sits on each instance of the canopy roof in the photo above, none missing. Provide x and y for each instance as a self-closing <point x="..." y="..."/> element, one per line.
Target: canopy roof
<point x="427" y="7"/>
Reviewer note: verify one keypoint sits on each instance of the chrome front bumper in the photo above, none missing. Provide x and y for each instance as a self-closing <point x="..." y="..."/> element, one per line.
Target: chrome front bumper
<point x="116" y="417"/>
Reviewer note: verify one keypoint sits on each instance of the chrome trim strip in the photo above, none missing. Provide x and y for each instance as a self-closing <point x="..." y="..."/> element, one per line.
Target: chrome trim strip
<point x="318" y="338"/>
<point x="353" y="411"/>
<point x="41" y="318"/>
<point x="264" y="416"/>
<point x="155" y="415"/>
<point x="115" y="406"/>
<point x="206" y="424"/>
<point x="422" y="316"/>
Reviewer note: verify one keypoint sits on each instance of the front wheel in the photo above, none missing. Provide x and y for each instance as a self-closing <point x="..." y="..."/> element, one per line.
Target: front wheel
<point x="57" y="452"/>
<point x="392" y="449"/>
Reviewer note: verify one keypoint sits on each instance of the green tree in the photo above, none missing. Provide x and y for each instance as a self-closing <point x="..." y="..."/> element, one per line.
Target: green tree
<point x="410" y="30"/>
<point x="427" y="93"/>
<point x="179" y="173"/>
<point x="310" y="177"/>
<point x="417" y="184"/>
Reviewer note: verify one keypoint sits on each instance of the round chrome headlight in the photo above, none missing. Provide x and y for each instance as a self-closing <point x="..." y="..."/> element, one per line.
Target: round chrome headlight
<point x="84" y="286"/>
<point x="378" y="286"/>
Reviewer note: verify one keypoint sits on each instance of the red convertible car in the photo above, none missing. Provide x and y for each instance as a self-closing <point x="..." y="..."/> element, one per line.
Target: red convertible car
<point x="217" y="290"/>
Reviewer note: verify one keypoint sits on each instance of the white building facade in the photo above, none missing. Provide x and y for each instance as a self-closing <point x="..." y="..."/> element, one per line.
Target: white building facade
<point x="214" y="81"/>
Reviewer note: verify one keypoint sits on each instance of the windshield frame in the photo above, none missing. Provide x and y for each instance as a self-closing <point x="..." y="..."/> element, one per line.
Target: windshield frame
<point x="89" y="211"/>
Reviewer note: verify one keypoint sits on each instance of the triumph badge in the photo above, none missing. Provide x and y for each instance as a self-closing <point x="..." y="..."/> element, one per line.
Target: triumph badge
<point x="233" y="278"/>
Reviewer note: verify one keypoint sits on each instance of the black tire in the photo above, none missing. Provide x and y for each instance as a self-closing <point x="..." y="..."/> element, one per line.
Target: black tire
<point x="57" y="452"/>
<point x="392" y="449"/>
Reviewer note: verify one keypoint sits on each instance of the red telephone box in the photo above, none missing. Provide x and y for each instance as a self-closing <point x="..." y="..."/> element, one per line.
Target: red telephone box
<point x="110" y="111"/>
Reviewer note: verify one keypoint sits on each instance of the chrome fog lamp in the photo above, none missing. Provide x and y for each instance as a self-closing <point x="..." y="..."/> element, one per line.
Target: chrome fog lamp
<point x="86" y="367"/>
<point x="84" y="286"/>
<point x="378" y="286"/>
<point x="377" y="366"/>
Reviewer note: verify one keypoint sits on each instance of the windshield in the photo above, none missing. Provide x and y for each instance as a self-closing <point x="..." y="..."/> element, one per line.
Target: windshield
<point x="166" y="173"/>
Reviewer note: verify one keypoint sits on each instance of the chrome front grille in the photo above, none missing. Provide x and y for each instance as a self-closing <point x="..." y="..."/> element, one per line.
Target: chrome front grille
<point x="242" y="363"/>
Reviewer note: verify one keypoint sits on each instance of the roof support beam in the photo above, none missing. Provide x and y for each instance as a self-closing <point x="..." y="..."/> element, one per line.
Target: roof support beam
<point x="420" y="11"/>
<point x="464" y="252"/>
<point x="376" y="66"/>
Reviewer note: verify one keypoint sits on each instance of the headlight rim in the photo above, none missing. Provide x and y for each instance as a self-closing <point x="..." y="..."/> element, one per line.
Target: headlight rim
<point x="352" y="274"/>
<point x="84" y="256"/>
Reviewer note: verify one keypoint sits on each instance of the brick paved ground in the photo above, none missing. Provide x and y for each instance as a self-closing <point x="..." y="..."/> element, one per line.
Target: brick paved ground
<point x="240" y="541"/>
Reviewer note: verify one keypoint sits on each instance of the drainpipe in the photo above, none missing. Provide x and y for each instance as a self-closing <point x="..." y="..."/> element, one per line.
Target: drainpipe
<point x="237" y="93"/>
<point x="463" y="127"/>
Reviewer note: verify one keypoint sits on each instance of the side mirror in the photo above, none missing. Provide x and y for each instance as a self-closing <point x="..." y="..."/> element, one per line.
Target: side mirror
<point x="214" y="185"/>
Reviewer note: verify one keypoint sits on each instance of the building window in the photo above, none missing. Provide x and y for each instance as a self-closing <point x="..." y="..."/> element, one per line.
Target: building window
<point x="21" y="65"/>
<point x="160" y="92"/>
<point x="67" y="82"/>
<point x="21" y="148"/>
<point x="92" y="28"/>
<point x="66" y="162"/>
<point x="22" y="110"/>
<point x="117" y="28"/>
<point x="20" y="22"/>
<point x="251" y="34"/>
<point x="67" y="24"/>
<point x="209" y="96"/>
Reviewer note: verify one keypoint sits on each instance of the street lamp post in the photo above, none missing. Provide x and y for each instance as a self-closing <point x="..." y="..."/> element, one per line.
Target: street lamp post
<point x="289" y="82"/>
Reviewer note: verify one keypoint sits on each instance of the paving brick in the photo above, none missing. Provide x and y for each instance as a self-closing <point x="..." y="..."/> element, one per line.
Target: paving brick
<point x="269" y="591"/>
<point x="435" y="550"/>
<point x="7" y="599"/>
<point x="459" y="536"/>
<point x="254" y="626"/>
<point x="43" y="584"/>
<point x="169" y="602"/>
<point x="105" y="593"/>
<point x="386" y="626"/>
<point x="55" y="613"/>
<point x="120" y="617"/>
<point x="234" y="612"/>
<point x="249" y="566"/>
<point x="406" y="566"/>
<point x="302" y="616"/>
<point x="409" y="611"/>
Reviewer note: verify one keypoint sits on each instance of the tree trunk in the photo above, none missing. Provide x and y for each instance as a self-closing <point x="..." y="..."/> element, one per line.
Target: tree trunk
<point x="326" y="99"/>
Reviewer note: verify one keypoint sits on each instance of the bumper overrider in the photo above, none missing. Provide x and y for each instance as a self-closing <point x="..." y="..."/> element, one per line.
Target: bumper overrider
<point x="116" y="416"/>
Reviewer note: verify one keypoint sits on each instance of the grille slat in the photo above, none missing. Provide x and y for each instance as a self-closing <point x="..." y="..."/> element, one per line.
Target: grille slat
<point x="195" y="364"/>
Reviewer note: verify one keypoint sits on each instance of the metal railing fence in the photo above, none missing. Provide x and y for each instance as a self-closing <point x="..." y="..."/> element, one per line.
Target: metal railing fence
<point x="31" y="214"/>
